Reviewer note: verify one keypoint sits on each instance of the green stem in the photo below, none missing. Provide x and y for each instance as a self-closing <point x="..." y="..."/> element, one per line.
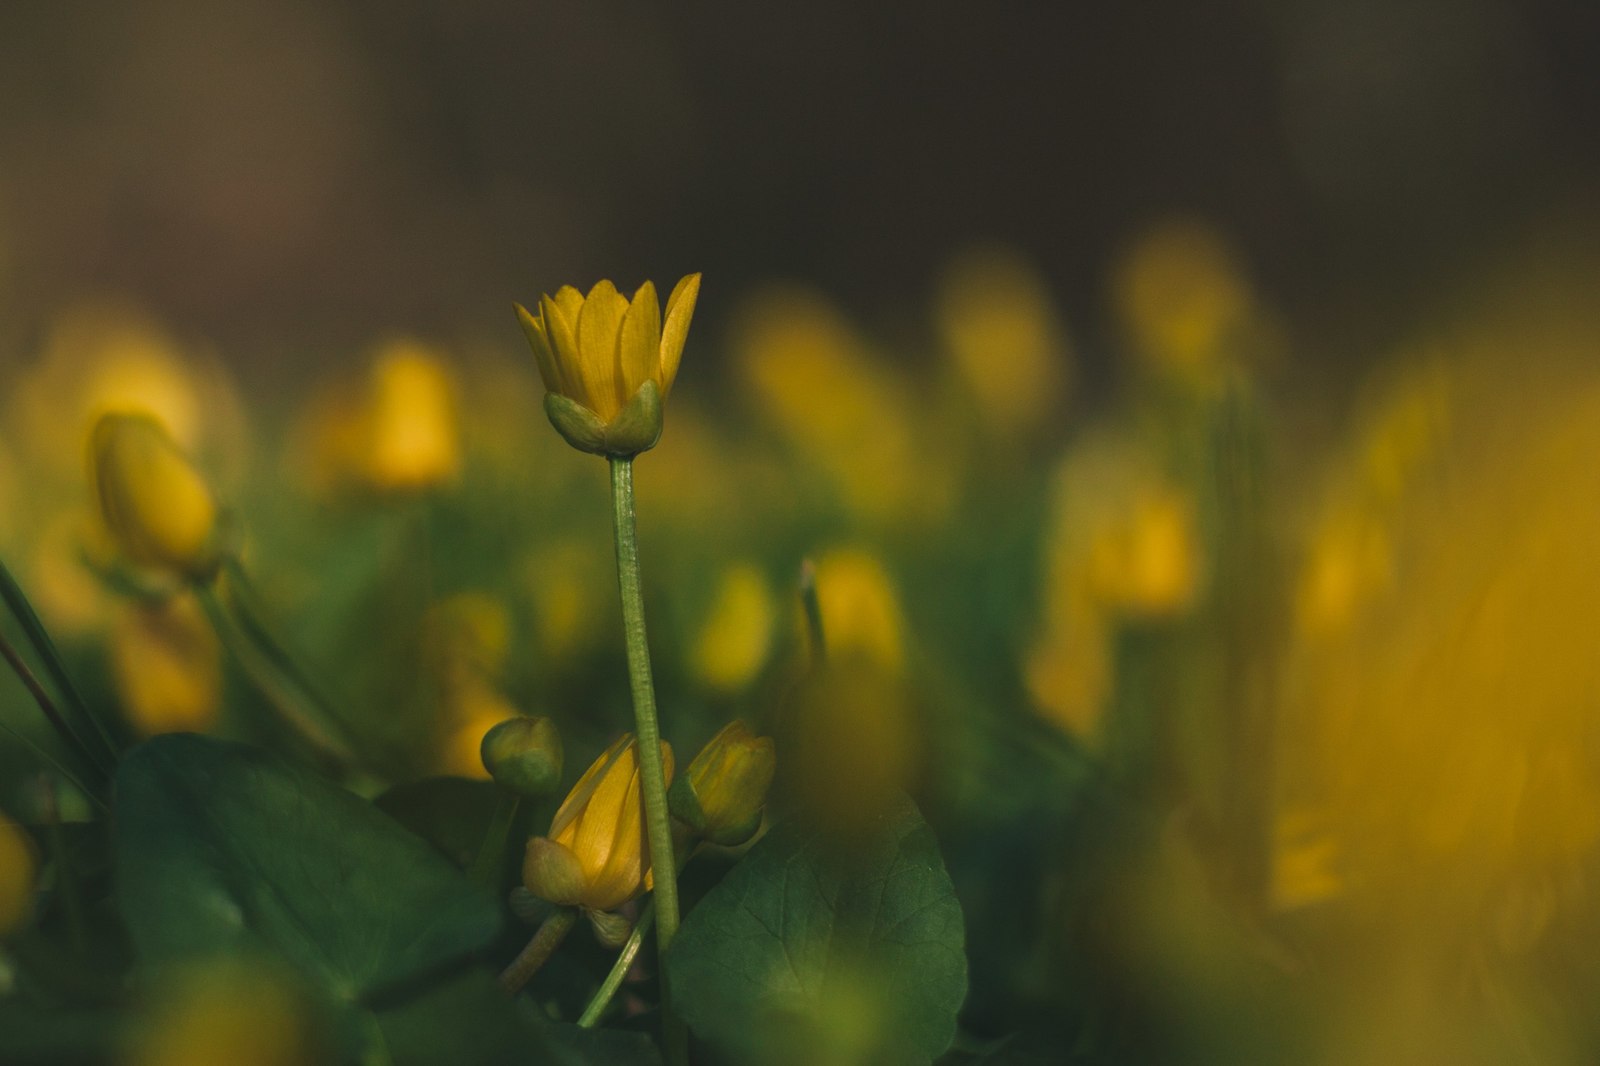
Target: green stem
<point x="652" y="772"/>
<point x="245" y="609"/>
<point x="19" y="666"/>
<point x="248" y="655"/>
<point x="39" y="637"/>
<point x="539" y="949"/>
<point x="71" y="898"/>
<point x="813" y="609"/>
<point x="485" y="868"/>
<point x="619" y="969"/>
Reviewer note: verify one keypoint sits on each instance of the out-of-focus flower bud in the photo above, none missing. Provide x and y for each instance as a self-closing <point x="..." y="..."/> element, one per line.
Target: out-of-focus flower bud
<point x="167" y="664"/>
<point x="737" y="635"/>
<point x="19" y="867"/>
<point x="608" y="363"/>
<point x="152" y="499"/>
<point x="1002" y="333"/>
<point x="722" y="794"/>
<point x="861" y="613"/>
<point x="856" y="743"/>
<point x="228" y="1011"/>
<point x="523" y="754"/>
<point x="596" y="855"/>
<point x="413" y="438"/>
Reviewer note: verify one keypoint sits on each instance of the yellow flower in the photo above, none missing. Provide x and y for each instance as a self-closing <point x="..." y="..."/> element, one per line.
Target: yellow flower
<point x="19" y="865"/>
<point x="733" y="644"/>
<point x="725" y="788"/>
<point x="608" y="362"/>
<point x="997" y="322"/>
<point x="152" y="499"/>
<point x="413" y="438"/>
<point x="225" y="1011"/>
<point x="596" y="855"/>
<point x="167" y="665"/>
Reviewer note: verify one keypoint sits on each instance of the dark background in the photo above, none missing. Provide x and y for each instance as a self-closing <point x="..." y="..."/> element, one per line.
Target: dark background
<point x="289" y="179"/>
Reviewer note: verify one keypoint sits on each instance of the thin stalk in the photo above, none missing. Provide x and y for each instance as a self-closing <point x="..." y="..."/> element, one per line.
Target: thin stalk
<point x="55" y="764"/>
<point x="247" y="613"/>
<point x="55" y="667"/>
<point x="652" y="772"/>
<point x="813" y="609"/>
<point x="248" y="655"/>
<point x="71" y="897"/>
<point x="619" y="969"/>
<point x="19" y="666"/>
<point x="539" y="950"/>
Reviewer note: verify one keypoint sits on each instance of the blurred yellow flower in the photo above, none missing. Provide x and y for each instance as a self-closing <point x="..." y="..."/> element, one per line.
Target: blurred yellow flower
<point x="857" y="741"/>
<point x="1068" y="670"/>
<point x="152" y="499"/>
<point x="861" y="613"/>
<point x="816" y="382"/>
<point x="1002" y="332"/>
<point x="1447" y="731"/>
<point x="413" y="440"/>
<point x="561" y="577"/>
<point x="608" y="363"/>
<point x="216" y="1012"/>
<point x="167" y="665"/>
<point x="19" y="868"/>
<point x="467" y="639"/>
<point x="596" y="855"/>
<point x="722" y="794"/>
<point x="1305" y="861"/>
<point x="734" y="641"/>
<point x="1182" y="297"/>
<point x="1144" y="561"/>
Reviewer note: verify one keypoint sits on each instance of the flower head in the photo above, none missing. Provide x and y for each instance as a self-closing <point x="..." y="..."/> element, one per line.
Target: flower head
<point x="154" y="502"/>
<point x="725" y="788"/>
<point x="608" y="362"/>
<point x="596" y="855"/>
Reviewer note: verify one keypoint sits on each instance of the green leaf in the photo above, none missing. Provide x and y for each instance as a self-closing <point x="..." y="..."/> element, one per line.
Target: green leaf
<point x="220" y="847"/>
<point x="451" y="813"/>
<point x="810" y="952"/>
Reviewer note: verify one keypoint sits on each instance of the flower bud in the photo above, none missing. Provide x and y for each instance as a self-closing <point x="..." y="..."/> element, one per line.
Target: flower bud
<point x="596" y="855"/>
<point x="608" y="363"/>
<point x="19" y="867"/>
<point x="725" y="788"/>
<point x="523" y="754"/>
<point x="152" y="499"/>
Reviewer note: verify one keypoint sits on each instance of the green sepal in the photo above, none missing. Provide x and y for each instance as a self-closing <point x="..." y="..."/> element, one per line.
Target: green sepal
<point x="578" y="425"/>
<point x="685" y="805"/>
<point x="637" y="428"/>
<point x="610" y="929"/>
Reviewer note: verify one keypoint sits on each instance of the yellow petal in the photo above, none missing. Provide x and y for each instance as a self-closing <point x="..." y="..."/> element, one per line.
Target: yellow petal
<point x="599" y="323"/>
<point x="680" y="308"/>
<point x="570" y="300"/>
<point x="579" y="796"/>
<point x="618" y="880"/>
<point x="542" y="355"/>
<point x="560" y="334"/>
<point x="594" y="833"/>
<point x="639" y="347"/>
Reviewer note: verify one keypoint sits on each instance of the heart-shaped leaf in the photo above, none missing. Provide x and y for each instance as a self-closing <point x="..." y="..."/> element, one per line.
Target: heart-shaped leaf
<point x="808" y="952"/>
<point x="220" y="847"/>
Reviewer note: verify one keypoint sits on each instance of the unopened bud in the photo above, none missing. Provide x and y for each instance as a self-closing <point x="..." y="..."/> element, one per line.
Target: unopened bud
<point x="523" y="754"/>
